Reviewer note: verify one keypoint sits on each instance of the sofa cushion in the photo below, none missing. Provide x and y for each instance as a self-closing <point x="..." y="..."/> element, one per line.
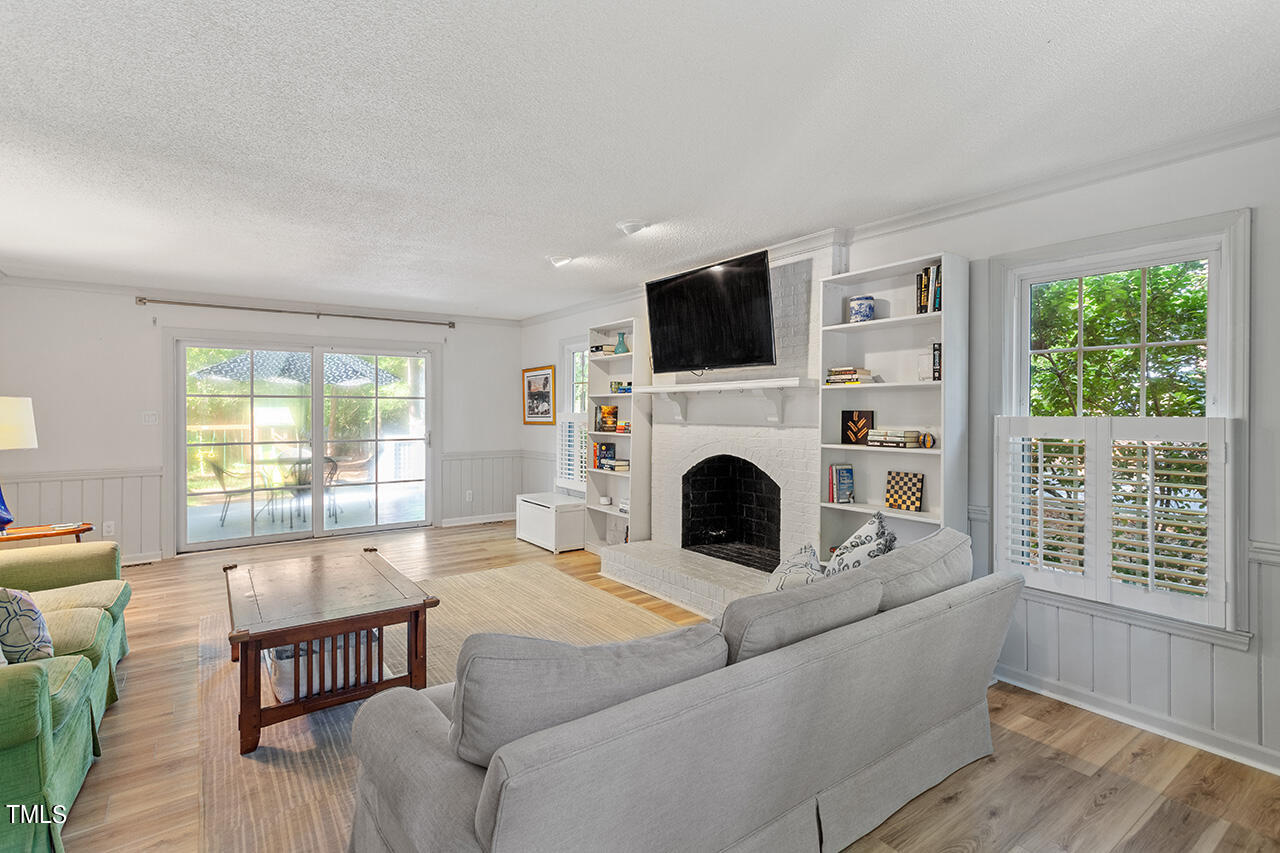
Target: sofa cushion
<point x="441" y="695"/>
<point x="70" y="678"/>
<point x="761" y="623"/>
<point x="798" y="569"/>
<point x="111" y="596"/>
<point x="925" y="567"/>
<point x="871" y="540"/>
<point x="24" y="631"/>
<point x="80" y="631"/>
<point x="509" y="687"/>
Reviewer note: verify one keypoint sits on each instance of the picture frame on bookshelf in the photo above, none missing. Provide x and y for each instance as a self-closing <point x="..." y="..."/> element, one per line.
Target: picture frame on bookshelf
<point x="854" y="425"/>
<point x="538" y="395"/>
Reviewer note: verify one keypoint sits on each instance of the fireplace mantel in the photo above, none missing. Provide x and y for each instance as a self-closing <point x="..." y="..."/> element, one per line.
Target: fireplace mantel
<point x="770" y="389"/>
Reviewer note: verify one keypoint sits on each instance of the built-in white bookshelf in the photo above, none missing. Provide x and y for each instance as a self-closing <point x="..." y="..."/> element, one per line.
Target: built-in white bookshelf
<point x="607" y="524"/>
<point x="896" y="347"/>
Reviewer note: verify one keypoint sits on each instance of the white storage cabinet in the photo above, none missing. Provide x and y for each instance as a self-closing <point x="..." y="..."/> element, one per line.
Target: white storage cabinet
<point x="551" y="521"/>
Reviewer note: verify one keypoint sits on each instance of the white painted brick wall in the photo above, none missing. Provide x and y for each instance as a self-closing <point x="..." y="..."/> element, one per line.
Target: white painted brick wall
<point x="790" y="455"/>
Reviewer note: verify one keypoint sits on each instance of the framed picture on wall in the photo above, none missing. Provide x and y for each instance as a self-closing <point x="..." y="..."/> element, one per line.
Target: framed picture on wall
<point x="538" y="386"/>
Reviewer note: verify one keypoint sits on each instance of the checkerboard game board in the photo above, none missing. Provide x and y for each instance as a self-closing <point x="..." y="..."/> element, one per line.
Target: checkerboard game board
<point x="904" y="490"/>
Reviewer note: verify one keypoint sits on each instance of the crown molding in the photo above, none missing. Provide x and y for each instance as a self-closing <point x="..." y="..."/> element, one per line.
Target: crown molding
<point x="223" y="301"/>
<point x="831" y="238"/>
<point x="1234" y="136"/>
<point x="632" y="292"/>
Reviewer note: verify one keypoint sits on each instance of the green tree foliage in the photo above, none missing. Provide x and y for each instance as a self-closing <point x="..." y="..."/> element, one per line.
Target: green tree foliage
<point x="1072" y="315"/>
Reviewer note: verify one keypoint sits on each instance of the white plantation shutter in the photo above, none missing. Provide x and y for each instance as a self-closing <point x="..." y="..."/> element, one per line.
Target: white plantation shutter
<point x="572" y="447"/>
<point x="1041" y="483"/>
<point x="1166" y="530"/>
<point x="1131" y="511"/>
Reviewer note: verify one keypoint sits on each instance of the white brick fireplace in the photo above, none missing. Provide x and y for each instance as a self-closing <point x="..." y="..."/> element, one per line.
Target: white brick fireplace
<point x="784" y="444"/>
<point x="787" y="454"/>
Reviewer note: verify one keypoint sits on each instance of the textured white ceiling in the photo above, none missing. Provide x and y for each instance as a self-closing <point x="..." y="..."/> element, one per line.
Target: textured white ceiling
<point x="428" y="155"/>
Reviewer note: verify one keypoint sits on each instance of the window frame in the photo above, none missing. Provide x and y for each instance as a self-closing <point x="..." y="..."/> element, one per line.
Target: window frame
<point x="1218" y="338"/>
<point x="1224" y="239"/>
<point x="569" y="347"/>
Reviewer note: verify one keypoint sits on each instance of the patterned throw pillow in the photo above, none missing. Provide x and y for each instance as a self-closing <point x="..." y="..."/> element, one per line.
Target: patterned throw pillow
<point x="799" y="569"/>
<point x="24" y="635"/>
<point x="873" y="539"/>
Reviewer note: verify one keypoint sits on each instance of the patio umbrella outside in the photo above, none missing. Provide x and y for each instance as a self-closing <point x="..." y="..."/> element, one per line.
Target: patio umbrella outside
<point x="339" y="369"/>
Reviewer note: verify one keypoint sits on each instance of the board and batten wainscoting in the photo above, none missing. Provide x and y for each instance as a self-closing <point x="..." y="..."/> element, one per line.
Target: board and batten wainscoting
<point x="493" y="477"/>
<point x="129" y="497"/>
<point x="539" y="471"/>
<point x="1213" y="689"/>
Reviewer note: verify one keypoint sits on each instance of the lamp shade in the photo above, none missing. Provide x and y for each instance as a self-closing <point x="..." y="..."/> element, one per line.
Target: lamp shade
<point x="17" y="424"/>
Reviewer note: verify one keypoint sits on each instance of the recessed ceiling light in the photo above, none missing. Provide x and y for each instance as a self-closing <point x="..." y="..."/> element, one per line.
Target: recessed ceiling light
<point x="631" y="226"/>
<point x="559" y="260"/>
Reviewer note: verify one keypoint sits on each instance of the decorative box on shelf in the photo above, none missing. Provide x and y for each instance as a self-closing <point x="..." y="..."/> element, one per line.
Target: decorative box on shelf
<point x="551" y="521"/>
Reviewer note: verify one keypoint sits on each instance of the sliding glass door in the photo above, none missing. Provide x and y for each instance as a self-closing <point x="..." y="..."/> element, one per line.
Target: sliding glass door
<point x="256" y="470"/>
<point x="375" y="425"/>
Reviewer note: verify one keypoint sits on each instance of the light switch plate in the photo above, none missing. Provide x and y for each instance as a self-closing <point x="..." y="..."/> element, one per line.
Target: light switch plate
<point x="150" y="418"/>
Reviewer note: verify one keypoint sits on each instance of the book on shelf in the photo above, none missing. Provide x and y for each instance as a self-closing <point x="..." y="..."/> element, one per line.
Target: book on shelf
<point x="893" y="438"/>
<point x="840" y="483"/>
<point x="937" y="362"/>
<point x="929" y="289"/>
<point x="847" y="375"/>
<point x="606" y="418"/>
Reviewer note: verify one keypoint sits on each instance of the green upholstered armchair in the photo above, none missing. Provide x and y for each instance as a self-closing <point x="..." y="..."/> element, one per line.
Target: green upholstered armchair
<point x="50" y="709"/>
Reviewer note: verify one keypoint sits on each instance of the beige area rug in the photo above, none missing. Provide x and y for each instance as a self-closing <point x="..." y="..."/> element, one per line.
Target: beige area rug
<point x="295" y="792"/>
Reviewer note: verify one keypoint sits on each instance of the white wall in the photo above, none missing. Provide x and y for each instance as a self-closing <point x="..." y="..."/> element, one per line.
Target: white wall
<point x="1225" y="698"/>
<point x="93" y="362"/>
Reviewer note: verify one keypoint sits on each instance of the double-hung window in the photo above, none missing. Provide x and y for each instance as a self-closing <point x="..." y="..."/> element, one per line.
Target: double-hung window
<point x="572" y="440"/>
<point x="1124" y="398"/>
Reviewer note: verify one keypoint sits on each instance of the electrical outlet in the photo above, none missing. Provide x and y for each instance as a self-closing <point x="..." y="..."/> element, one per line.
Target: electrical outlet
<point x="108" y="528"/>
<point x="468" y="496"/>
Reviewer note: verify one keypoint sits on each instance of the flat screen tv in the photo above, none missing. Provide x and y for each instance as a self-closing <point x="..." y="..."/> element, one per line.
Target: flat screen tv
<point x="716" y="316"/>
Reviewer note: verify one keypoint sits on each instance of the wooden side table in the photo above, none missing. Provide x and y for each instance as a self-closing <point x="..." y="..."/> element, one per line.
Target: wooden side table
<point x="44" y="531"/>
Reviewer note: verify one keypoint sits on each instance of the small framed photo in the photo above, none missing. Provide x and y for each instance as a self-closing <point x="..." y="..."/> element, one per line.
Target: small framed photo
<point x="538" y="394"/>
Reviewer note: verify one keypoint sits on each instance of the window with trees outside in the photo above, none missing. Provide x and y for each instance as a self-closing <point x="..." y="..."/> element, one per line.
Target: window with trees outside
<point x="1112" y="479"/>
<point x="578" y="388"/>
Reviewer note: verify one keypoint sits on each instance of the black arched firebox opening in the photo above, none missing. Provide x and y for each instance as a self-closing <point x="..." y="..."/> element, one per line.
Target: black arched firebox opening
<point x="731" y="510"/>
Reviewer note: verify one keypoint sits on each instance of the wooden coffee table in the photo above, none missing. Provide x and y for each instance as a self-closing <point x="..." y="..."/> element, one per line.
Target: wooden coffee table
<point x="318" y="607"/>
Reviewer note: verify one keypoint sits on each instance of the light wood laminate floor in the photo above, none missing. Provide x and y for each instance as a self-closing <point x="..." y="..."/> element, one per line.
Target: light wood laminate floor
<point x="1060" y="778"/>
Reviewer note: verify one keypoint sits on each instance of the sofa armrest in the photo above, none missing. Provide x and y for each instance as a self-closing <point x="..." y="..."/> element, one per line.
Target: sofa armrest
<point x="416" y="778"/>
<point x="51" y="566"/>
<point x="25" y="713"/>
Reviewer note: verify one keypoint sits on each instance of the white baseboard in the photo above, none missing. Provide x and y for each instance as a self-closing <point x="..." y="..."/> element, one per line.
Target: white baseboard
<point x="1253" y="754"/>
<point x="135" y="559"/>
<point x="477" y="519"/>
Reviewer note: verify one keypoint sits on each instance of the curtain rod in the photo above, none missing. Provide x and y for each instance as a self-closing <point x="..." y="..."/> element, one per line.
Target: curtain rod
<point x="147" y="300"/>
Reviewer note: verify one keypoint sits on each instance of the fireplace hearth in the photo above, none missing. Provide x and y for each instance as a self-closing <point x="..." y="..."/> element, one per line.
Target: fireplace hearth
<point x="731" y="510"/>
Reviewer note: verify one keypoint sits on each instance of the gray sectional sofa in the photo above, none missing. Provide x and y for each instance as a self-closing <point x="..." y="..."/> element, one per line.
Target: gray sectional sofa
<point x="826" y="719"/>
